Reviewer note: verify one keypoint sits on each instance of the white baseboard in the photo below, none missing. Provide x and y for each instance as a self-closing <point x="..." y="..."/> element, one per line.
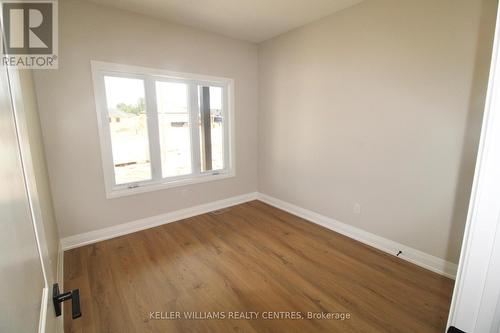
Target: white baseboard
<point x="150" y="222"/>
<point x="412" y="255"/>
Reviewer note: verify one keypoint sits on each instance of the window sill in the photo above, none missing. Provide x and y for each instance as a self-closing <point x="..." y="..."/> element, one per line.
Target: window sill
<point x="123" y="192"/>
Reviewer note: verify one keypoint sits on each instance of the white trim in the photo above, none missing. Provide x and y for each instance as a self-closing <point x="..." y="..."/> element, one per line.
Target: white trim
<point x="153" y="129"/>
<point x="150" y="222"/>
<point x="140" y="70"/>
<point x="194" y="119"/>
<point x="181" y="181"/>
<point x="475" y="305"/>
<point x="43" y="310"/>
<point x="414" y="256"/>
<point x="149" y="76"/>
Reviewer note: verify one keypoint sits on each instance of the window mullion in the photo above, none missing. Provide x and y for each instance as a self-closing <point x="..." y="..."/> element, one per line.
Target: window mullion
<point x="227" y="123"/>
<point x="194" y="121"/>
<point x="153" y="129"/>
<point x="206" y="131"/>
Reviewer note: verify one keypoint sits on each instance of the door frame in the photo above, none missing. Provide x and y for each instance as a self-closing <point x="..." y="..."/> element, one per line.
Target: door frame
<point x="475" y="305"/>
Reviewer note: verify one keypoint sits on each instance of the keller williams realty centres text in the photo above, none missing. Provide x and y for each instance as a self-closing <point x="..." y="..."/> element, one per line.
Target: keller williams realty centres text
<point x="248" y="315"/>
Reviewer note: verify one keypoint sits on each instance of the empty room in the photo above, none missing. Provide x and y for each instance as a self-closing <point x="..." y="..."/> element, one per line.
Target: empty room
<point x="250" y="166"/>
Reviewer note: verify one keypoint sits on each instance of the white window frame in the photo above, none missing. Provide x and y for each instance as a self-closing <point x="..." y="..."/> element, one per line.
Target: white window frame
<point x="149" y="76"/>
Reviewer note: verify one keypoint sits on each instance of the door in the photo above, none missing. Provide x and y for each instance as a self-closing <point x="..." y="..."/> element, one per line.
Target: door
<point x="476" y="300"/>
<point x="23" y="284"/>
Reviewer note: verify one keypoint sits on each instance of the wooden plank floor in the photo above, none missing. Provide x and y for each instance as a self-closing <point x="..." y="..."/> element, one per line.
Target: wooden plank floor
<point x="254" y="258"/>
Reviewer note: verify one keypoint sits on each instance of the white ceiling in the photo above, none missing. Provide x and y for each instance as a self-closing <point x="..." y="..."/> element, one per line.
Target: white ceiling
<point x="252" y="20"/>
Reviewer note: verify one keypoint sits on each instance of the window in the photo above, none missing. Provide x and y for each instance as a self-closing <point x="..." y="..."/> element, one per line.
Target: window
<point x="160" y="129"/>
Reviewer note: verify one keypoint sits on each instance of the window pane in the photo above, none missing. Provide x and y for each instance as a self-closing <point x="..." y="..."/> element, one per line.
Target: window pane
<point x="211" y="128"/>
<point x="129" y="130"/>
<point x="173" y="119"/>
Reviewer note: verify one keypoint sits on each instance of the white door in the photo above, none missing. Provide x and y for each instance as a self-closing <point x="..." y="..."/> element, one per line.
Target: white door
<point x="24" y="291"/>
<point x="476" y="300"/>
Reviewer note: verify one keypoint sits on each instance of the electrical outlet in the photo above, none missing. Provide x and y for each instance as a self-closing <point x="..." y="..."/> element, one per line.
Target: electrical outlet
<point x="357" y="208"/>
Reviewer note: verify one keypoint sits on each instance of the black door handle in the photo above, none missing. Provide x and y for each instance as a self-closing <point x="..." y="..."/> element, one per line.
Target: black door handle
<point x="58" y="298"/>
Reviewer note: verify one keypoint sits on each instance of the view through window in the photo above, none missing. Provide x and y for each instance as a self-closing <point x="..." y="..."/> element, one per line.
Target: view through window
<point x="128" y="128"/>
<point x="163" y="129"/>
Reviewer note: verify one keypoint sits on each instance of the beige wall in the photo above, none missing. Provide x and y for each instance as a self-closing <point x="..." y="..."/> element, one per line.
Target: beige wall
<point x="92" y="32"/>
<point x="39" y="165"/>
<point x="379" y="104"/>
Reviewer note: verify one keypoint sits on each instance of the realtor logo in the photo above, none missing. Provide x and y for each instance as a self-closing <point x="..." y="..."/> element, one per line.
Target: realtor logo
<point x="30" y="32"/>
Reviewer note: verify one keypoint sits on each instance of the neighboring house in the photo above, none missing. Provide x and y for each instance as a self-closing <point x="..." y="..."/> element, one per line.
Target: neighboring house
<point x="115" y="115"/>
